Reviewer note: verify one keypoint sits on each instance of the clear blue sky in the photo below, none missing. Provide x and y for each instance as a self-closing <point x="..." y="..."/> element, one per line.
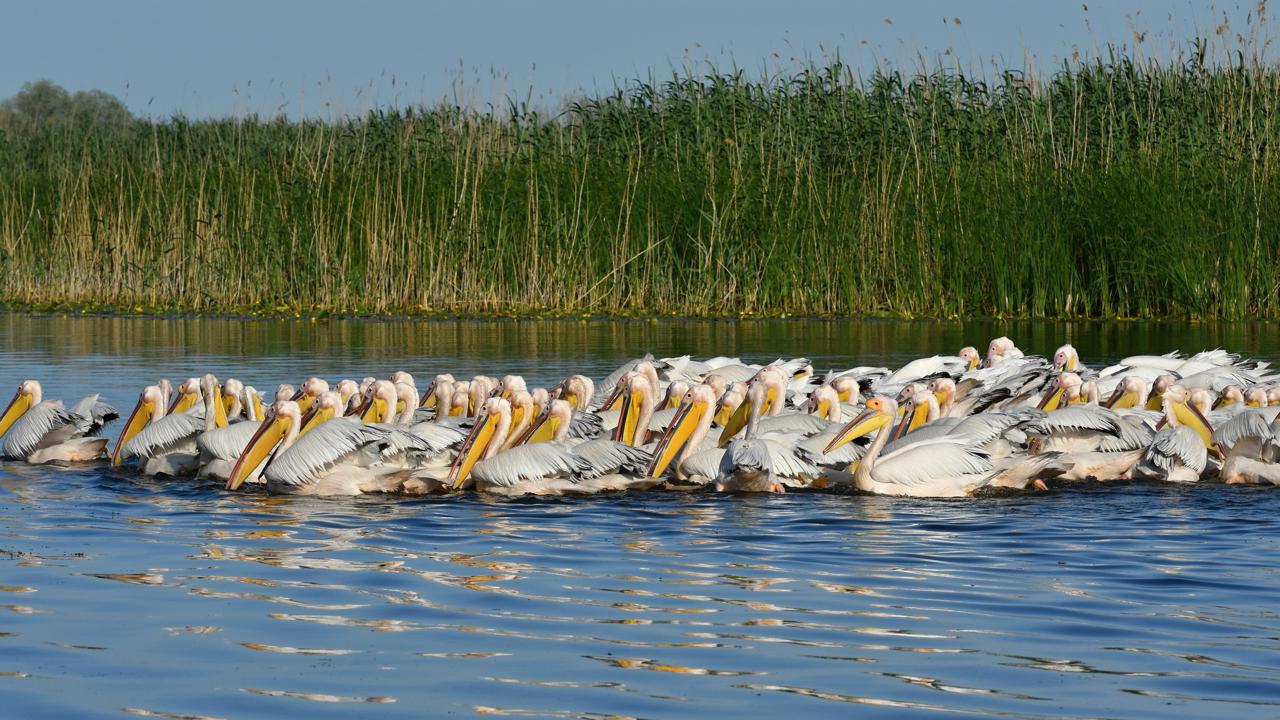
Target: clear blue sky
<point x="326" y="57"/>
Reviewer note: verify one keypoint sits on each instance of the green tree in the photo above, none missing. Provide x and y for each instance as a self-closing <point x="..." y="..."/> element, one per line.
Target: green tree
<point x="43" y="103"/>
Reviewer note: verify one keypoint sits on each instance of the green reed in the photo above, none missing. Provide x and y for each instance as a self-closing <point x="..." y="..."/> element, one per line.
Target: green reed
<point x="1112" y="188"/>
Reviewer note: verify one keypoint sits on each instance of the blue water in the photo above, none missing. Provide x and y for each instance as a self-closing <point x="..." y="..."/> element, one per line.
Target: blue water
<point x="120" y="594"/>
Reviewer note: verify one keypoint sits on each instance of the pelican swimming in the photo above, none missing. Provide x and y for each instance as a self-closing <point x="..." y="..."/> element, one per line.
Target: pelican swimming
<point x="167" y="445"/>
<point x="44" y="431"/>
<point x="551" y="467"/>
<point x="337" y="457"/>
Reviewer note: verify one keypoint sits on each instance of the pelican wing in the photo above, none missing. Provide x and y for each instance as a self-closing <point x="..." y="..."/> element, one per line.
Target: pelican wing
<point x="438" y="437"/>
<point x="927" y="462"/>
<point x="1132" y="436"/>
<point x="704" y="463"/>
<point x="91" y="414"/>
<point x="531" y="462"/>
<point x="784" y="459"/>
<point x="29" y="431"/>
<point x="1248" y="424"/>
<point x="749" y="454"/>
<point x="1078" y="417"/>
<point x="604" y="457"/>
<point x="159" y="435"/>
<point x="324" y="446"/>
<point x="1174" y="446"/>
<point x="585" y="425"/>
<point x="810" y="449"/>
<point x="794" y="423"/>
<point x="227" y="443"/>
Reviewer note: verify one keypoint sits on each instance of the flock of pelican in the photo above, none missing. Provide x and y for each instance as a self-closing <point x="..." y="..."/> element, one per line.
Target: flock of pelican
<point x="940" y="426"/>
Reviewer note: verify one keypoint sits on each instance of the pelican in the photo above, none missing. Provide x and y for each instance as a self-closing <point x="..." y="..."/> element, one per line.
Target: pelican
<point x="341" y="456"/>
<point x="1177" y="454"/>
<point x="1066" y="359"/>
<point x="577" y="390"/>
<point x="435" y="392"/>
<point x="552" y="467"/>
<point x="308" y="391"/>
<point x="929" y="468"/>
<point x="43" y="431"/>
<point x="167" y="445"/>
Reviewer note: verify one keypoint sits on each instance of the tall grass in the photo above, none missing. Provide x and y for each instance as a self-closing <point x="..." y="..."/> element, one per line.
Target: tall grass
<point x="1114" y="187"/>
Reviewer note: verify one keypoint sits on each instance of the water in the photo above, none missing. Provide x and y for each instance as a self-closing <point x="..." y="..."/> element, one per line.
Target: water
<point x="120" y="594"/>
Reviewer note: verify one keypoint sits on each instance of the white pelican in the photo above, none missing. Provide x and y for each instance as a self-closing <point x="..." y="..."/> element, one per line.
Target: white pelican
<point x="1177" y="454"/>
<point x="341" y="456"/>
<point x="43" y="431"/>
<point x="308" y="391"/>
<point x="577" y="390"/>
<point x="168" y="445"/>
<point x="435" y="392"/>
<point x="929" y="468"/>
<point x="552" y="467"/>
<point x="1066" y="359"/>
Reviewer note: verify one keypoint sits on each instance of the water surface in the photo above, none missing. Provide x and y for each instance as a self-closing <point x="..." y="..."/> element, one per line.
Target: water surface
<point x="124" y="595"/>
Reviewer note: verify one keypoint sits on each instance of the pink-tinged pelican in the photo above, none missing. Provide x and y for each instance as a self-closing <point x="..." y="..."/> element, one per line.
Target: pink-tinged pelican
<point x="943" y="467"/>
<point x="435" y="392"/>
<point x="577" y="390"/>
<point x="340" y="456"/>
<point x="550" y="467"/>
<point x="970" y="356"/>
<point x="637" y="410"/>
<point x="308" y="391"/>
<point x="43" y="431"/>
<point x="1130" y="393"/>
<point x="150" y="407"/>
<point x="167" y="446"/>
<point x="1066" y="359"/>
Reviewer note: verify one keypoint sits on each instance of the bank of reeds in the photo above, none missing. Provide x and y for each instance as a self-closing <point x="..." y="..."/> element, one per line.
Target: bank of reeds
<point x="1115" y="187"/>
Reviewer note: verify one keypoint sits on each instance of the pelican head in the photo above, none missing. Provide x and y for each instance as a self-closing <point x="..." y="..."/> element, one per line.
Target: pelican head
<point x="252" y="401"/>
<point x="326" y="407"/>
<point x="509" y="385"/>
<point x="431" y="398"/>
<point x="944" y="391"/>
<point x="576" y="390"/>
<point x="970" y="356"/>
<point x="187" y="397"/>
<point x="729" y="402"/>
<point x="879" y="412"/>
<point x="233" y="397"/>
<point x="1158" y="388"/>
<point x="637" y="408"/>
<point x="1180" y="409"/>
<point x="380" y="403"/>
<point x="694" y="415"/>
<point x="997" y="350"/>
<point x="401" y="376"/>
<point x="349" y="391"/>
<point x="29" y="394"/>
<point x="1062" y="390"/>
<point x="825" y="403"/>
<point x="921" y="407"/>
<point x="551" y="424"/>
<point x="716" y="382"/>
<point x="540" y="398"/>
<point x="1130" y="393"/>
<point x="284" y="391"/>
<point x="1273" y="396"/>
<point x="675" y="394"/>
<point x="847" y="389"/>
<point x="150" y="408"/>
<point x="487" y="435"/>
<point x="215" y="412"/>
<point x="1230" y="395"/>
<point x="308" y="391"/>
<point x="280" y="427"/>
<point x="1256" y="397"/>
<point x="1066" y="359"/>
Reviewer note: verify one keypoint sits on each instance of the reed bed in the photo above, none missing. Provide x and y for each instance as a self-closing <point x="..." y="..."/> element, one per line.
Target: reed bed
<point x="1114" y="187"/>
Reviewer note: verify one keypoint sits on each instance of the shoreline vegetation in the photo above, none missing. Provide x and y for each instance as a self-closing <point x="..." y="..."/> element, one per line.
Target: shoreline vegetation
<point x="1115" y="187"/>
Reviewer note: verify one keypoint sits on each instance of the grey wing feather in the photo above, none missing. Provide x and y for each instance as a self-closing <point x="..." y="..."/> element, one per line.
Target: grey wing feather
<point x="1248" y="424"/>
<point x="604" y="457"/>
<point x="785" y="461"/>
<point x="705" y="463"/>
<point x="322" y="447"/>
<point x="438" y="436"/>
<point x="165" y="432"/>
<point x="750" y="454"/>
<point x="801" y="423"/>
<point x="1175" y="446"/>
<point x="28" y="431"/>
<point x="926" y="462"/>
<point x="585" y="425"/>
<point x="227" y="443"/>
<point x="1132" y="436"/>
<point x="1079" y="418"/>
<point x="91" y="414"/>
<point x="530" y="462"/>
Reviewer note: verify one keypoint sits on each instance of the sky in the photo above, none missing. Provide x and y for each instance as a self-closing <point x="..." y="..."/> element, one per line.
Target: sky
<point x="329" y="58"/>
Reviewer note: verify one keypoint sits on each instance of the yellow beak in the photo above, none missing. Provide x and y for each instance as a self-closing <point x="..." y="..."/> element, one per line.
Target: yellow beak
<point x="867" y="422"/>
<point x="1190" y="416"/>
<point x="138" y="419"/>
<point x="260" y="446"/>
<point x="736" y="422"/>
<point x="186" y="401"/>
<point x="676" y="436"/>
<point x="18" y="407"/>
<point x="375" y="411"/>
<point x="472" y="450"/>
<point x="1051" y="401"/>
